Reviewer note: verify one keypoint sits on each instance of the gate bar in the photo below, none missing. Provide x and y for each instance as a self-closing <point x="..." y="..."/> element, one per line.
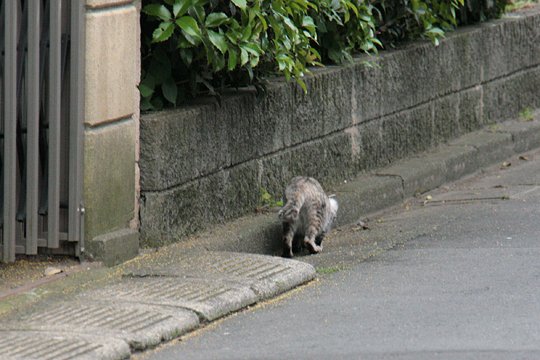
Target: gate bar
<point x="32" y="121"/>
<point x="76" y="114"/>
<point x="10" y="131"/>
<point x="55" y="85"/>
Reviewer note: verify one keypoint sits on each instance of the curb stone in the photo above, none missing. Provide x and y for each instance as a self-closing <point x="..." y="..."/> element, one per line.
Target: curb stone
<point x="39" y="345"/>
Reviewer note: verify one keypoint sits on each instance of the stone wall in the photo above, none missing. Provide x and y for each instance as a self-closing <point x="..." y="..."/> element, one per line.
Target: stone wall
<point x="204" y="164"/>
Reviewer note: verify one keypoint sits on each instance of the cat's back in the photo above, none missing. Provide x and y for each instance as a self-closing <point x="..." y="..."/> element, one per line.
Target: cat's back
<point x="305" y="189"/>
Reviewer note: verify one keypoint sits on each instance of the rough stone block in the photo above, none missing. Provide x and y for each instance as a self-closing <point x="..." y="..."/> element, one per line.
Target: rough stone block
<point x="111" y="73"/>
<point x="463" y="46"/>
<point x="273" y="114"/>
<point x="365" y="91"/>
<point x="180" y="145"/>
<point x="445" y="118"/>
<point x="470" y="110"/>
<point x="431" y="71"/>
<point x="326" y="160"/>
<point x="510" y="44"/>
<point x="506" y="97"/>
<point x="368" y="148"/>
<point x="378" y="143"/>
<point x="167" y="216"/>
<point x="109" y="178"/>
<point x="115" y="247"/>
<point x="325" y="108"/>
<point x="238" y="113"/>
<point x="407" y="69"/>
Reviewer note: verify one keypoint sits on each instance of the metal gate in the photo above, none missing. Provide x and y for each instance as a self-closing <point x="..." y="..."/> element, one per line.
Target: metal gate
<point x="41" y="124"/>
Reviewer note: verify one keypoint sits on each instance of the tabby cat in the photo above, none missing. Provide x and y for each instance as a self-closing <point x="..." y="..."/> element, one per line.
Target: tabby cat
<point x="308" y="212"/>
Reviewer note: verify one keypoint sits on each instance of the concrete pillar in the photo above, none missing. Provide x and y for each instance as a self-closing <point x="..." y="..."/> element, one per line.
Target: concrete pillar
<point x="111" y="133"/>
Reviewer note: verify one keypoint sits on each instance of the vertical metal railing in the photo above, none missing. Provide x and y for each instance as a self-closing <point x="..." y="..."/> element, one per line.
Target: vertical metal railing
<point x="54" y="103"/>
<point x="41" y="112"/>
<point x="9" y="170"/>
<point x="76" y="109"/>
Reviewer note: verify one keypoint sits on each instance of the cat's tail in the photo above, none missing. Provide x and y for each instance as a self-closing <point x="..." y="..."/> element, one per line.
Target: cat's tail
<point x="290" y="211"/>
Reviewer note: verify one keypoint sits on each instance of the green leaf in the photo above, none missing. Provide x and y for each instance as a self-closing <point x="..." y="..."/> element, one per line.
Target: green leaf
<point x="251" y="48"/>
<point x="181" y="7"/>
<point x="436" y="31"/>
<point x="146" y="105"/>
<point x="307" y="22"/>
<point x="240" y="3"/>
<point x="254" y="61"/>
<point x="147" y="85"/>
<point x="163" y="32"/>
<point x="159" y="11"/>
<point x="246" y="34"/>
<point x="244" y="57"/>
<point x="170" y="90"/>
<point x="232" y="60"/>
<point x="302" y="84"/>
<point x="218" y="40"/>
<point x="187" y="56"/>
<point x="215" y="19"/>
<point x="192" y="40"/>
<point x="189" y="26"/>
<point x="145" y="91"/>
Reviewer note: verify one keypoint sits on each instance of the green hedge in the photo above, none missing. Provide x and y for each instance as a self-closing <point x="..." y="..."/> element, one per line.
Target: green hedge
<point x="194" y="47"/>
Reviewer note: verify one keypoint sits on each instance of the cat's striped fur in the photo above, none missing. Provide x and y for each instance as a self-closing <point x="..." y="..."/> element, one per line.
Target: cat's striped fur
<point x="308" y="212"/>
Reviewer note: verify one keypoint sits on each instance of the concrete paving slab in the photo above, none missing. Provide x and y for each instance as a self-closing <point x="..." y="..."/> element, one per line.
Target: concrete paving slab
<point x="457" y="160"/>
<point x="418" y="175"/>
<point x="266" y="275"/>
<point x="490" y="147"/>
<point x="138" y="325"/>
<point x="50" y="345"/>
<point x="529" y="173"/>
<point x="209" y="299"/>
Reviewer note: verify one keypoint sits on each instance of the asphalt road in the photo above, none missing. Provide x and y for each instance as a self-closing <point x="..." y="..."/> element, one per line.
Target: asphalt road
<point x="461" y="282"/>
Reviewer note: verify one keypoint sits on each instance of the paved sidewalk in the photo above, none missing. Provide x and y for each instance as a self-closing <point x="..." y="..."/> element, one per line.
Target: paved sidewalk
<point x="138" y="305"/>
<point x="110" y="313"/>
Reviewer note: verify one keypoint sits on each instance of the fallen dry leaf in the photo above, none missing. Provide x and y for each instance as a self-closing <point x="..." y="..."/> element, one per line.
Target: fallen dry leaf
<point x="506" y="164"/>
<point x="363" y="225"/>
<point x="50" y="271"/>
<point x="524" y="158"/>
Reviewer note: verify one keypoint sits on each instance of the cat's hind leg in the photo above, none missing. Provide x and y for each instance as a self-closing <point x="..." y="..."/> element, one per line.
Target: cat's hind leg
<point x="309" y="241"/>
<point x="314" y="226"/>
<point x="288" y="236"/>
<point x="319" y="239"/>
